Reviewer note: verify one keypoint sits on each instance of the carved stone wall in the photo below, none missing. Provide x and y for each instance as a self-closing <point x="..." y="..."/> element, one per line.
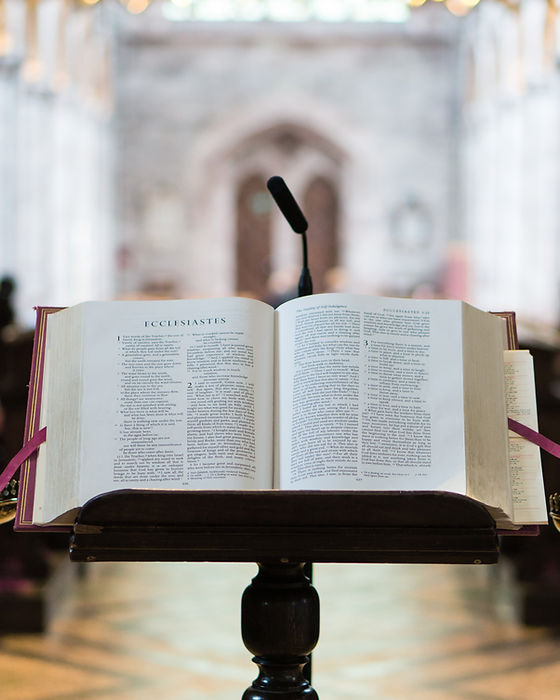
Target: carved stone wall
<point x="367" y="108"/>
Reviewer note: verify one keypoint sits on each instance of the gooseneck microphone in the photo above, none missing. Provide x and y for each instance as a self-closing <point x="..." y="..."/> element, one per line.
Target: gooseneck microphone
<point x="294" y="216"/>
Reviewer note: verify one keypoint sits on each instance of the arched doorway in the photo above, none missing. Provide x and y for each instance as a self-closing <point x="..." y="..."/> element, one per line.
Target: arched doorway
<point x="268" y="140"/>
<point x="321" y="205"/>
<point x="252" y="253"/>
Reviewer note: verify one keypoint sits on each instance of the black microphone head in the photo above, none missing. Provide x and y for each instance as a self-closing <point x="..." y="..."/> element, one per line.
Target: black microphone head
<point x="287" y="204"/>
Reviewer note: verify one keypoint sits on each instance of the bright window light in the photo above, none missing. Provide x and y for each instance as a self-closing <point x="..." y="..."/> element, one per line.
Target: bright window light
<point x="287" y="10"/>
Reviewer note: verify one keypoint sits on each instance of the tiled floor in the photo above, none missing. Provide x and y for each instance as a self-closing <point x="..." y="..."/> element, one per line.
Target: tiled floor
<point x="388" y="632"/>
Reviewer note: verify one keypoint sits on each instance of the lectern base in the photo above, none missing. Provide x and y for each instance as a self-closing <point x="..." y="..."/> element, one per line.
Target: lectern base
<point x="280" y="625"/>
<point x="280" y="609"/>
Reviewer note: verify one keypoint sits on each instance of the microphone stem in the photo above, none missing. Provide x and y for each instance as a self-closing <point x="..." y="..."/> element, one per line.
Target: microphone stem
<point x="304" y="248"/>
<point x="305" y="285"/>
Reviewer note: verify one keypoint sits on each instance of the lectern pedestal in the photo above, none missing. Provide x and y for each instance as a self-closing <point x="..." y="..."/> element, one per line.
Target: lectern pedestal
<point x="280" y="530"/>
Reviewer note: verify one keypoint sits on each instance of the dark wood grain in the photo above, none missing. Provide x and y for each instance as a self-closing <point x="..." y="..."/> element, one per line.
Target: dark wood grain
<point x="280" y="627"/>
<point x="321" y="526"/>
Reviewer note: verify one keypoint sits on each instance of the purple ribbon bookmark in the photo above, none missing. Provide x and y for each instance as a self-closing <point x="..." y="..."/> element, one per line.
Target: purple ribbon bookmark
<point x="26" y="451"/>
<point x="39" y="438"/>
<point x="547" y="445"/>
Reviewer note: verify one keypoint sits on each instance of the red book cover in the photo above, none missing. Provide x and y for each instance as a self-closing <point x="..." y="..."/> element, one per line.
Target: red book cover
<point x="24" y="512"/>
<point x="511" y="325"/>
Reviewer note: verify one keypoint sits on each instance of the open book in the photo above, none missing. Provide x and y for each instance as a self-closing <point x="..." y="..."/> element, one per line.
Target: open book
<point x="332" y="391"/>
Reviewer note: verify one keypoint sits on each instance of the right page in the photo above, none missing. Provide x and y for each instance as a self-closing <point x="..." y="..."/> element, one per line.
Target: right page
<point x="370" y="394"/>
<point x="529" y="500"/>
<point x="484" y="342"/>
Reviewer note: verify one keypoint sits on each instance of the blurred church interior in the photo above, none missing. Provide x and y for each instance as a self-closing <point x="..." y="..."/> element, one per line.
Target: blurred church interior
<point x="422" y="141"/>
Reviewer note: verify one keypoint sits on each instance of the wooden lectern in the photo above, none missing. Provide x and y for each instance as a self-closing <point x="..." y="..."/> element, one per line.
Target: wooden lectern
<point x="280" y="530"/>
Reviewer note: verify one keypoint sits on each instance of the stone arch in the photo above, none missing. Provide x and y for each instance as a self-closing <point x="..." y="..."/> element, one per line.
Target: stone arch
<point x="297" y="139"/>
<point x="311" y="166"/>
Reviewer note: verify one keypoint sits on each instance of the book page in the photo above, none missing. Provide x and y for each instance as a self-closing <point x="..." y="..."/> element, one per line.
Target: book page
<point x="370" y="394"/>
<point x="529" y="501"/>
<point x="177" y="395"/>
<point x="56" y="489"/>
<point x="485" y="339"/>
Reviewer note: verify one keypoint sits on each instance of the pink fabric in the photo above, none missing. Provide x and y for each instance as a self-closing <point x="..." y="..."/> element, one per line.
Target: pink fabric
<point x="551" y="447"/>
<point x="26" y="451"/>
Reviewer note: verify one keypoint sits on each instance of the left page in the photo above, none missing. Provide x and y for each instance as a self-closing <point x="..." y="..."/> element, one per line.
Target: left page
<point x="175" y="395"/>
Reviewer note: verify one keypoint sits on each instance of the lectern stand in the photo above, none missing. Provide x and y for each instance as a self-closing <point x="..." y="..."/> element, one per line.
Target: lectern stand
<point x="280" y="530"/>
